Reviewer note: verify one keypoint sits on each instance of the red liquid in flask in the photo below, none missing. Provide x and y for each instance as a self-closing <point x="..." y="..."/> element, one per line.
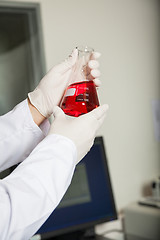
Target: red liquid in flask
<point x="80" y="98"/>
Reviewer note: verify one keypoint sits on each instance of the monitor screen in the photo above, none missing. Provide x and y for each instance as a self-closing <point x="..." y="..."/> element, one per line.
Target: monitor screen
<point x="89" y="199"/>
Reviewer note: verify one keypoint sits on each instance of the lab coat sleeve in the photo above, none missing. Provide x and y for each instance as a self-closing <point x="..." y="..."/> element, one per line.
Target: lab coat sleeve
<point x="35" y="187"/>
<point x="19" y="135"/>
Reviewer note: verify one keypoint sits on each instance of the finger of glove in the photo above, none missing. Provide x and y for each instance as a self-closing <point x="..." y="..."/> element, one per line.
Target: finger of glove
<point x="93" y="64"/>
<point x="95" y="73"/>
<point x="68" y="63"/>
<point x="95" y="55"/>
<point x="97" y="82"/>
<point x="101" y="120"/>
<point x="99" y="112"/>
<point x="96" y="117"/>
<point x="100" y="116"/>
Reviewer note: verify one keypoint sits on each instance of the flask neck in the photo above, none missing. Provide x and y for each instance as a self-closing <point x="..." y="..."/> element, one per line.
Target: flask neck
<point x="85" y="53"/>
<point x="81" y="70"/>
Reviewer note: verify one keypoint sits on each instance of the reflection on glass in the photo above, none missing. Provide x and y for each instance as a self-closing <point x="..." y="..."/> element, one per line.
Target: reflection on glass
<point x="78" y="192"/>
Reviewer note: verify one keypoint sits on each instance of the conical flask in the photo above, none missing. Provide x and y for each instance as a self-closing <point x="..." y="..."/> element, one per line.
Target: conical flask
<point x="81" y="96"/>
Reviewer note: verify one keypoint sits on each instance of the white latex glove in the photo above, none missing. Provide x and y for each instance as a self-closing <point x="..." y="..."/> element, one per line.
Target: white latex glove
<point x="93" y="66"/>
<point x="50" y="90"/>
<point x="81" y="130"/>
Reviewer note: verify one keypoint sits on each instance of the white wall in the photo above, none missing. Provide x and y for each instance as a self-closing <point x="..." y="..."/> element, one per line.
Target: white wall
<point x="126" y="32"/>
<point x="14" y="66"/>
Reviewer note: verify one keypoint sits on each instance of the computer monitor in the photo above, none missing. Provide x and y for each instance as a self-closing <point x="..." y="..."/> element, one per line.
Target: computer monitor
<point x="88" y="201"/>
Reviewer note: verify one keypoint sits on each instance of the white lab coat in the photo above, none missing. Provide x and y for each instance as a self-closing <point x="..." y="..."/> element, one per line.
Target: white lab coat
<point x="33" y="190"/>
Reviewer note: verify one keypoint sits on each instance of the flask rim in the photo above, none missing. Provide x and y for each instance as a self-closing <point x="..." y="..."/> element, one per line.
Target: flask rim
<point x="85" y="49"/>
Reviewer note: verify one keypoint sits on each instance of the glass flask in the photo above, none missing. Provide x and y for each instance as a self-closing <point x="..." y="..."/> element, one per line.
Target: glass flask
<point x="81" y="96"/>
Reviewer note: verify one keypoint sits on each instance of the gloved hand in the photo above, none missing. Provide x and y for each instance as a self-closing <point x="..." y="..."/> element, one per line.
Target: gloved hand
<point x="81" y="130"/>
<point x="50" y="90"/>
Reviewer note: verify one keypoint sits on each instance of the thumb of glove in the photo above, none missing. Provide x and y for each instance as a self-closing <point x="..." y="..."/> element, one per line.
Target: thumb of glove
<point x="58" y="121"/>
<point x="68" y="63"/>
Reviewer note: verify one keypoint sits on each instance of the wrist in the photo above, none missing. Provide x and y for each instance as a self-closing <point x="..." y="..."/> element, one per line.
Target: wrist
<point x="38" y="99"/>
<point x="38" y="118"/>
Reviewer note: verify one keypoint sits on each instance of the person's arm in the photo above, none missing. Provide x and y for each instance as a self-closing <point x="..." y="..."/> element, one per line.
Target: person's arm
<point x="19" y="131"/>
<point x="34" y="189"/>
<point x="19" y="134"/>
<point x="38" y="118"/>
